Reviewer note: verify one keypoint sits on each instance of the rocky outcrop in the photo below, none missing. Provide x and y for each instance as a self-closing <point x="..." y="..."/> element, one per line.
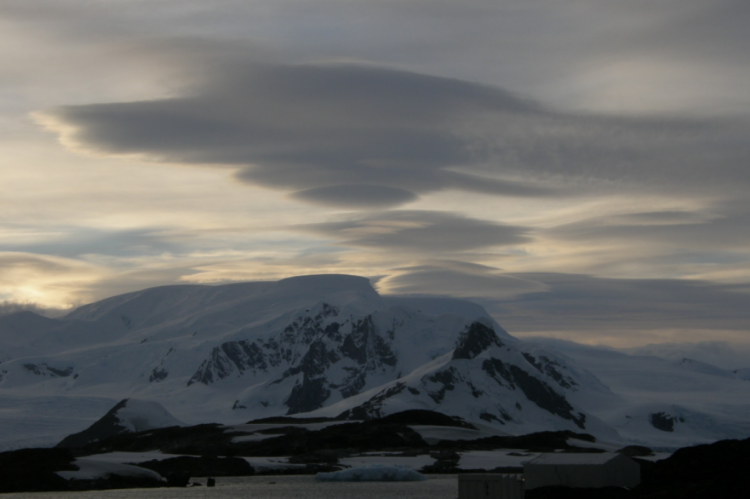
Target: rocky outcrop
<point x="127" y="416"/>
<point x="44" y="370"/>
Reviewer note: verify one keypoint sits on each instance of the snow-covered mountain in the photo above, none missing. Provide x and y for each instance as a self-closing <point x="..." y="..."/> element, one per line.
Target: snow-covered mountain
<point x="329" y="344"/>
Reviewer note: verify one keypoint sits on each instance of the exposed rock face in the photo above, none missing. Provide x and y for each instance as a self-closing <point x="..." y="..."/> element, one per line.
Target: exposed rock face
<point x="307" y="350"/>
<point x="325" y="357"/>
<point x="289" y="348"/>
<point x="158" y="374"/>
<point x="486" y="377"/>
<point x="45" y="370"/>
<point x="552" y="369"/>
<point x="228" y="358"/>
<point x="663" y="421"/>
<point x="476" y="339"/>
<point x="536" y="391"/>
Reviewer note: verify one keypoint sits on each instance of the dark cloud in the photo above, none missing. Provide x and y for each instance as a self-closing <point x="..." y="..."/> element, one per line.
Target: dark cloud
<point x="336" y="116"/>
<point x="356" y="195"/>
<point x="387" y="134"/>
<point x="391" y="135"/>
<point x="426" y="232"/>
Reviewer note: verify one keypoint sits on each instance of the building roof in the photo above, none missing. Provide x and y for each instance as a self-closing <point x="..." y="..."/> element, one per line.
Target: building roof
<point x="573" y="458"/>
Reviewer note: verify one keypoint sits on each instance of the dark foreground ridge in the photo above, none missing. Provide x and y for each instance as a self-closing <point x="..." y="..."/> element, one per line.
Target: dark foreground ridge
<point x="393" y="433"/>
<point x="409" y="417"/>
<point x="704" y="471"/>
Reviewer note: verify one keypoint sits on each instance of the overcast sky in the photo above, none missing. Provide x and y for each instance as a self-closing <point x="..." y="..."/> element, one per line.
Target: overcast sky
<point x="579" y="167"/>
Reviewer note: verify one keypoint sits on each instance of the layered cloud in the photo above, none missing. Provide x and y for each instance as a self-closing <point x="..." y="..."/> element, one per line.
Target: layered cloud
<point x="359" y="136"/>
<point x="419" y="231"/>
<point x="338" y="134"/>
<point x="622" y="312"/>
<point x="455" y="278"/>
<point x="579" y="166"/>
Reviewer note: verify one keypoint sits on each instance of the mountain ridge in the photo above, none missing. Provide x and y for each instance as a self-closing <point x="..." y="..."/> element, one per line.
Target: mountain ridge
<point x="319" y="344"/>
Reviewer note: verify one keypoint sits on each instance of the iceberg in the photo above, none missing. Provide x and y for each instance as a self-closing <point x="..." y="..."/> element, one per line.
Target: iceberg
<point x="373" y="473"/>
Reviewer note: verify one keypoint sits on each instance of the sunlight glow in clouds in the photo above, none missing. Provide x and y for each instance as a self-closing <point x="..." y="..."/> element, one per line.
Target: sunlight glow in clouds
<point x="556" y="161"/>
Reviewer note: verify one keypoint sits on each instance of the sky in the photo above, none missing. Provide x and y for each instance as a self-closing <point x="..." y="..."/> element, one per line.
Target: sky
<point x="578" y="167"/>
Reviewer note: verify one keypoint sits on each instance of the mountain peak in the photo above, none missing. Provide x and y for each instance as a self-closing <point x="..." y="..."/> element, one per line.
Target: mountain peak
<point x="475" y="339"/>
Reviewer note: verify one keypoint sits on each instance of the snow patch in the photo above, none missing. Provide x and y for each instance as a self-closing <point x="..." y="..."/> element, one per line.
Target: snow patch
<point x="91" y="469"/>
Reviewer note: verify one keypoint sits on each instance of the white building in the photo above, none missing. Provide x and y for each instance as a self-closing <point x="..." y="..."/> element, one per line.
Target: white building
<point x="581" y="470"/>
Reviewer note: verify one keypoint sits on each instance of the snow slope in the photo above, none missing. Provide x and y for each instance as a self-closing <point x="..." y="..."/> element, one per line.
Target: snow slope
<point x="664" y="403"/>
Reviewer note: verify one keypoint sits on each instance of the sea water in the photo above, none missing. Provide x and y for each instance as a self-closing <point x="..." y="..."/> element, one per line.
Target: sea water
<point x="275" y="487"/>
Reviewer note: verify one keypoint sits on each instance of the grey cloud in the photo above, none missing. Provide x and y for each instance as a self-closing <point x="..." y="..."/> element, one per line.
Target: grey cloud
<point x="677" y="155"/>
<point x="585" y="305"/>
<point x="714" y="29"/>
<point x="308" y="128"/>
<point x="358" y="196"/>
<point x="657" y="218"/>
<point x="718" y="353"/>
<point x="692" y="232"/>
<point x="35" y="263"/>
<point x="452" y="278"/>
<point x="420" y="231"/>
<point x="528" y="45"/>
<point x="575" y="302"/>
<point x="394" y="135"/>
<point x="72" y="242"/>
